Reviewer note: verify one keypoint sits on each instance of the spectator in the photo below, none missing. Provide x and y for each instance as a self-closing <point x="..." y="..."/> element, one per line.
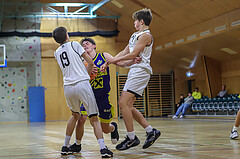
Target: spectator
<point x="196" y="94"/>
<point x="223" y="92"/>
<point x="183" y="108"/>
<point x="180" y="102"/>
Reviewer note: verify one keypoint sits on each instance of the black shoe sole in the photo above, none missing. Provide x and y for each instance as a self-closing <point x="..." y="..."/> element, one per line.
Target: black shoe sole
<point x="106" y="156"/>
<point x="66" y="153"/>
<point x="144" y="146"/>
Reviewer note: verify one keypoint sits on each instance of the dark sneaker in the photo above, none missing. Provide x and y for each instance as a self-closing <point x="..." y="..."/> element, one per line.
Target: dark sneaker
<point x="114" y="134"/>
<point x="75" y="148"/>
<point x="127" y="143"/>
<point x="151" y="138"/>
<point x="66" y="151"/>
<point x="106" y="153"/>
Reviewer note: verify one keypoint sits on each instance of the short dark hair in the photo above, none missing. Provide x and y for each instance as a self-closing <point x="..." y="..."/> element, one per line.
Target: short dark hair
<point x="181" y="95"/>
<point x="59" y="34"/>
<point x="144" y="14"/>
<point x="189" y="92"/>
<point x="88" y="39"/>
<point x="197" y="88"/>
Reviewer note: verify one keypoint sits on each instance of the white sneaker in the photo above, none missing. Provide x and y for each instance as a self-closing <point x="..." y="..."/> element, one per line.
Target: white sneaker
<point x="234" y="134"/>
<point x="174" y="116"/>
<point x="181" y="116"/>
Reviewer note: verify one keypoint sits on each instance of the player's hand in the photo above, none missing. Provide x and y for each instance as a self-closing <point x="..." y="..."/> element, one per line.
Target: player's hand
<point x="94" y="70"/>
<point x="103" y="67"/>
<point x="138" y="59"/>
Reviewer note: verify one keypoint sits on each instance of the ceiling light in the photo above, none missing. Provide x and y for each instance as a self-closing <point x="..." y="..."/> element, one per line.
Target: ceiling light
<point x="229" y="51"/>
<point x="168" y="44"/>
<point x="158" y="48"/>
<point x="186" y="59"/>
<point x="116" y="3"/>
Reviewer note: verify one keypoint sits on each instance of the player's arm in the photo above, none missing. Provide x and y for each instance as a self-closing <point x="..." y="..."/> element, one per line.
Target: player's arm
<point x="143" y="41"/>
<point x="89" y="60"/>
<point x="123" y="52"/>
<point x="122" y="63"/>
<point x="108" y="57"/>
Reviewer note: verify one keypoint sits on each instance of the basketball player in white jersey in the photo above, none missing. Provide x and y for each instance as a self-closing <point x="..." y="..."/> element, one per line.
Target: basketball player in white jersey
<point x="77" y="89"/>
<point x="140" y="44"/>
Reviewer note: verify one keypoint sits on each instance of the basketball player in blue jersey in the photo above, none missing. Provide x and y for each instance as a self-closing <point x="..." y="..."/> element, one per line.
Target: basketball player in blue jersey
<point x="101" y="87"/>
<point x="140" y="44"/>
<point x="70" y="57"/>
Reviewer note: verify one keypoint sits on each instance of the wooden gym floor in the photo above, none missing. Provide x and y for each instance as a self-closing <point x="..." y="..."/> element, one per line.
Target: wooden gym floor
<point x="181" y="138"/>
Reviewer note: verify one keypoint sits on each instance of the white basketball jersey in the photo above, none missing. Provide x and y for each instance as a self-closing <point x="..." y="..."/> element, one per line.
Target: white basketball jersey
<point x="145" y="54"/>
<point x="69" y="58"/>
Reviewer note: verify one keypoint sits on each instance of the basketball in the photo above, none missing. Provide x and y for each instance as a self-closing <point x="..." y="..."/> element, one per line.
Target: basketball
<point x="94" y="71"/>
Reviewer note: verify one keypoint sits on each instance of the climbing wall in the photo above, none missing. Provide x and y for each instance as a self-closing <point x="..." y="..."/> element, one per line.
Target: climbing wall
<point x="13" y="93"/>
<point x="23" y="63"/>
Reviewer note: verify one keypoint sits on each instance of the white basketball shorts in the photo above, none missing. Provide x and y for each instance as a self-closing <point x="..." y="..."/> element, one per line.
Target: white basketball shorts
<point x="137" y="81"/>
<point x="81" y="92"/>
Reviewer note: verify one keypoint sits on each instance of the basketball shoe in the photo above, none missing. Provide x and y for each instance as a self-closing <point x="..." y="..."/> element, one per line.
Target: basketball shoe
<point x="127" y="143"/>
<point x="151" y="138"/>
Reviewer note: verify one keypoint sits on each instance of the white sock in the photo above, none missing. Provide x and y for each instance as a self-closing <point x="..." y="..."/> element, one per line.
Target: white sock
<point x="78" y="142"/>
<point x="235" y="128"/>
<point x="67" y="140"/>
<point x="101" y="143"/>
<point x="148" y="129"/>
<point x="131" y="135"/>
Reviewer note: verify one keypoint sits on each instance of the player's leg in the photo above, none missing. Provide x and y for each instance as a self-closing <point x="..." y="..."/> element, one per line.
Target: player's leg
<point x="137" y="115"/>
<point x="76" y="147"/>
<point x="234" y="133"/>
<point x="111" y="128"/>
<point x="106" y="113"/>
<point x="89" y="102"/>
<point x="69" y="130"/>
<point x="131" y="139"/>
<point x="152" y="133"/>
<point x="99" y="135"/>
<point x="107" y="128"/>
<point x="73" y="104"/>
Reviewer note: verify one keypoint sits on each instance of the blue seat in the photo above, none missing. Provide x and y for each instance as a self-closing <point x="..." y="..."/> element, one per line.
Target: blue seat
<point x="210" y="106"/>
<point x="230" y="105"/>
<point x="215" y="106"/>
<point x="198" y="106"/>
<point x="202" y="106"/>
<point x="235" y="105"/>
<point x="194" y="106"/>
<point x="225" y="105"/>
<point x="206" y="106"/>
<point x="223" y="99"/>
<point x="220" y="106"/>
<point x="218" y="99"/>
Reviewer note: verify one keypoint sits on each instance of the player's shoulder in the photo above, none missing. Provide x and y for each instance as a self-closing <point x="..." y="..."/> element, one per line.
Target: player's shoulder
<point x="106" y="55"/>
<point x="58" y="50"/>
<point x="145" y="36"/>
<point x="146" y="33"/>
<point x="75" y="43"/>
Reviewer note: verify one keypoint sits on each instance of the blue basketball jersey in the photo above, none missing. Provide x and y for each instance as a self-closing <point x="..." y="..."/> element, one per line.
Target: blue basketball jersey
<point x="100" y="84"/>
